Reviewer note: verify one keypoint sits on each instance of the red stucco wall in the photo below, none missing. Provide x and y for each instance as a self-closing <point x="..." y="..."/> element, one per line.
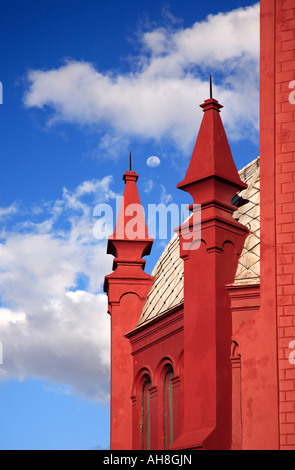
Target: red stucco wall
<point x="278" y="195"/>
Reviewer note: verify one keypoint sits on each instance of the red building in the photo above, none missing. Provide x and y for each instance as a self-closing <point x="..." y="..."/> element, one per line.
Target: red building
<point x="202" y="351"/>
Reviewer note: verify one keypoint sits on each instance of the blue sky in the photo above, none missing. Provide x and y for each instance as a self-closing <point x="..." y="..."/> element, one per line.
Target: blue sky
<point x="83" y="83"/>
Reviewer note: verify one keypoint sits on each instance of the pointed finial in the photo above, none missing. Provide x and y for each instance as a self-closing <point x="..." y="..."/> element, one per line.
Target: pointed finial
<point x="130" y="174"/>
<point x="211" y="94"/>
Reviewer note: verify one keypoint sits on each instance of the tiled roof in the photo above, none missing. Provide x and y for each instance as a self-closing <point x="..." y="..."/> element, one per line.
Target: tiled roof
<point x="167" y="289"/>
<point x="248" y="270"/>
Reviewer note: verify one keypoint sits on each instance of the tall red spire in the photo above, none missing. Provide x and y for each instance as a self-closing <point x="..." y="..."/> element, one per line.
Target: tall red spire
<point x="210" y="263"/>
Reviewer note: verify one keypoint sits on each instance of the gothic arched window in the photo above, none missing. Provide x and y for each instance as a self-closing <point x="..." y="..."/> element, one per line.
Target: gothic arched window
<point x="168" y="407"/>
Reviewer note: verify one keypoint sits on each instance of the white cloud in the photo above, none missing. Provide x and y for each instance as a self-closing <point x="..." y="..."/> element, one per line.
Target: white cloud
<point x="165" y="198"/>
<point x="53" y="316"/>
<point x="148" y="185"/>
<point x="114" y="146"/>
<point x="223" y="37"/>
<point x="153" y="161"/>
<point x="53" y="320"/>
<point x="8" y="211"/>
<point x="154" y="100"/>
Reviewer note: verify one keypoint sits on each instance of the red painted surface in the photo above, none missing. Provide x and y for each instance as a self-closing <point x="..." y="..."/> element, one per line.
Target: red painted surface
<point x="207" y="314"/>
<point x="211" y="154"/>
<point x="154" y="347"/>
<point x="127" y="288"/>
<point x="277" y="200"/>
<point x="228" y="344"/>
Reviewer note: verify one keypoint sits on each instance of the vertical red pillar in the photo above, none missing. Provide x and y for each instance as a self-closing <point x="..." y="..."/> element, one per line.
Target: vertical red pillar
<point x="127" y="288"/>
<point x="154" y="418"/>
<point x="277" y="136"/>
<point x="236" y="400"/>
<point x="210" y="262"/>
<point x="177" y="406"/>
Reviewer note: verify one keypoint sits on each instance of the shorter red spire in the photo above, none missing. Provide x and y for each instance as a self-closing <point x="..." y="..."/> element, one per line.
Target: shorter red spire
<point x="130" y="240"/>
<point x="127" y="288"/>
<point x="131" y="224"/>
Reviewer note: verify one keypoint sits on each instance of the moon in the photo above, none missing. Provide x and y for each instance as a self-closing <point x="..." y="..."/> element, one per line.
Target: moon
<point x="153" y="161"/>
